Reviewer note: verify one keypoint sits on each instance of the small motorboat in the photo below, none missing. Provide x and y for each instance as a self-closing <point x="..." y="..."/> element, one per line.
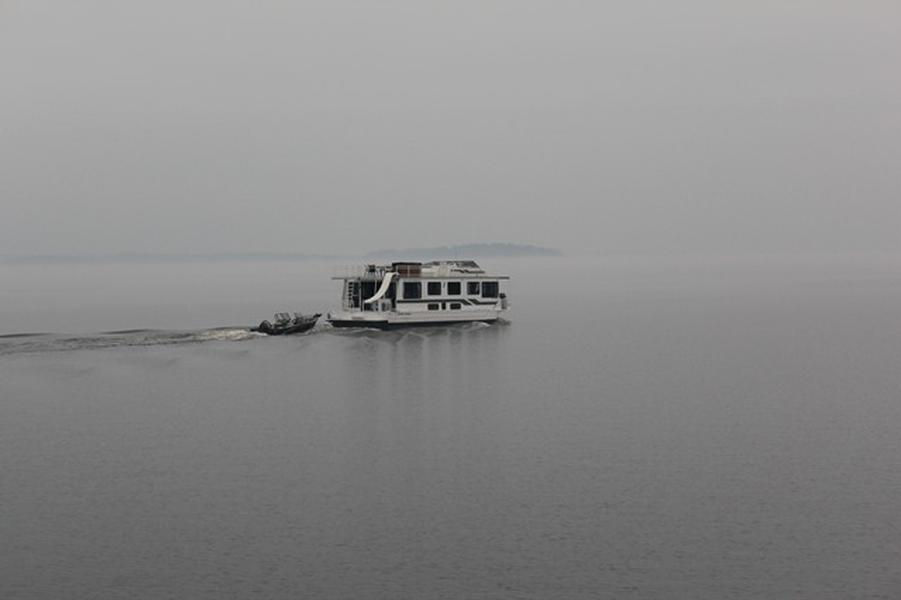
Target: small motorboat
<point x="285" y="324"/>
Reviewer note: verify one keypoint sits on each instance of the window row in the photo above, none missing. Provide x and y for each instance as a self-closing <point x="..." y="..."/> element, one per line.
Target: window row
<point x="487" y="289"/>
<point x="453" y="306"/>
<point x="434" y="288"/>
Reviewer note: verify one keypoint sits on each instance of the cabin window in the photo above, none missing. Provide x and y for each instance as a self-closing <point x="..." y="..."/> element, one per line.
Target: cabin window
<point x="412" y="290"/>
<point x="455" y="306"/>
<point x="453" y="288"/>
<point x="473" y="288"/>
<point x="434" y="288"/>
<point x="433" y="306"/>
<point x="489" y="289"/>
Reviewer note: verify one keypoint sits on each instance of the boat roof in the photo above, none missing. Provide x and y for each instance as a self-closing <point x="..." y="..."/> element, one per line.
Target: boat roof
<point x="434" y="269"/>
<point x="459" y="264"/>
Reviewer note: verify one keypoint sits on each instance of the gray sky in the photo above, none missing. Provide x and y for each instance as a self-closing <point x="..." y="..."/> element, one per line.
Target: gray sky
<point x="336" y="126"/>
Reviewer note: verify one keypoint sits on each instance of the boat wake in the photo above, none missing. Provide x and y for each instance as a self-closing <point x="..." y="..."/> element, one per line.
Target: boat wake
<point x="51" y="342"/>
<point x="21" y="343"/>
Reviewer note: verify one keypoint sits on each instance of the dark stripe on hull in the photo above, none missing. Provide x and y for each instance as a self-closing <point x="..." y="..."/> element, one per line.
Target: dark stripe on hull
<point x="435" y="299"/>
<point x="384" y="325"/>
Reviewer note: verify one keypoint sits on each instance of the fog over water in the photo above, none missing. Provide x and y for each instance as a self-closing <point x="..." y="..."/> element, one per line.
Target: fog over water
<point x="639" y="429"/>
<point x="599" y="127"/>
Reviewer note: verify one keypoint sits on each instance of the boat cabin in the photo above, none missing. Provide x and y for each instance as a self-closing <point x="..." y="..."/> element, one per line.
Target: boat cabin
<point x="458" y="290"/>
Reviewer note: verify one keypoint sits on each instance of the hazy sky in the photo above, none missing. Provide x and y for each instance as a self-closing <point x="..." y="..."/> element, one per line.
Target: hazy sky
<point x="336" y="126"/>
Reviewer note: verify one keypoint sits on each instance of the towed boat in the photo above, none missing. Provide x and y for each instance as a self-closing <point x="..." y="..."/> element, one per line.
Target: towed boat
<point x="285" y="324"/>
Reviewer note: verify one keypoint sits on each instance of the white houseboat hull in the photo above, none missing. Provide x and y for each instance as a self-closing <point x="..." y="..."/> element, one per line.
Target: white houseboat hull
<point x="387" y="320"/>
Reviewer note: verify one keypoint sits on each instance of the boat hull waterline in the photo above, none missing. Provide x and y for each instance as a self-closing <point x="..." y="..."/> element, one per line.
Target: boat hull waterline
<point x="386" y="325"/>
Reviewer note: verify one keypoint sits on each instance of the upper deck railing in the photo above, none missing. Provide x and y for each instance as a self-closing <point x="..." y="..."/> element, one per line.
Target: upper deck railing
<point x="359" y="272"/>
<point x="442" y="271"/>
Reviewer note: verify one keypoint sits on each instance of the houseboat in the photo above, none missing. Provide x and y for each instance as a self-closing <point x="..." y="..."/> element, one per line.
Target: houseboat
<point x="404" y="294"/>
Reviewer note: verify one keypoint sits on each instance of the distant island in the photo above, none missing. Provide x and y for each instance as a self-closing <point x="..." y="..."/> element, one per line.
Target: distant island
<point x="464" y="251"/>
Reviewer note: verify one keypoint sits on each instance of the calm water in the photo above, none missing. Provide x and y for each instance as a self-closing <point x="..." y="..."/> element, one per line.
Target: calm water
<point x="639" y="429"/>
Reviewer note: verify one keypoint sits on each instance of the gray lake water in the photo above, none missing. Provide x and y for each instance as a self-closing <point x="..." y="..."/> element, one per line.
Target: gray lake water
<point x="639" y="429"/>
